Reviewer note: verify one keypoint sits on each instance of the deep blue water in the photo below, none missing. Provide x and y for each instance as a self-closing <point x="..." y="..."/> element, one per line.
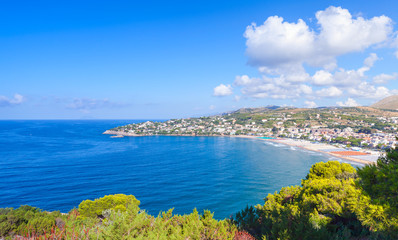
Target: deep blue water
<point x="54" y="165"/>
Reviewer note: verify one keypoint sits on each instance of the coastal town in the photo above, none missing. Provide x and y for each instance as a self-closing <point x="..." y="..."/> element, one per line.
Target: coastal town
<point x="357" y="129"/>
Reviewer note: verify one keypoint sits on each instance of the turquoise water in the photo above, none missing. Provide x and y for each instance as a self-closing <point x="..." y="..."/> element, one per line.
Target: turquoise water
<point x="54" y="165"/>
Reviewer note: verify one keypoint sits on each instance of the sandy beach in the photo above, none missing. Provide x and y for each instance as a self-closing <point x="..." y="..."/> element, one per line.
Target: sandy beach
<point x="361" y="157"/>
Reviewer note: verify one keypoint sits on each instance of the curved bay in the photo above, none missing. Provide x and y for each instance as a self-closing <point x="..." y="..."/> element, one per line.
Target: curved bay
<point x="54" y="165"/>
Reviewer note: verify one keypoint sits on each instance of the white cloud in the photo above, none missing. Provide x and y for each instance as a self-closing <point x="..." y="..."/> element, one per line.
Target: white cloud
<point x="366" y="90"/>
<point x="276" y="44"/>
<point x="349" y="103"/>
<point x="222" y="90"/>
<point x="277" y="88"/>
<point x="329" y="92"/>
<point x="283" y="50"/>
<point x="310" y="104"/>
<point x="344" y="78"/>
<point x="340" y="33"/>
<point x="337" y="82"/>
<point x="322" y="77"/>
<point x="212" y="107"/>
<point x="369" y="61"/>
<point x="246" y="80"/>
<point x="16" y="100"/>
<point x="384" y="78"/>
<point x="305" y="89"/>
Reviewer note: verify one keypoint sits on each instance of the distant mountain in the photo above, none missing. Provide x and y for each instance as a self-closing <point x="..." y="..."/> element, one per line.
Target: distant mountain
<point x="390" y="103"/>
<point x="255" y="110"/>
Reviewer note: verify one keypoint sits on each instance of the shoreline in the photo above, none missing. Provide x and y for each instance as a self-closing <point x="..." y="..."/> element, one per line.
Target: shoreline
<point x="118" y="134"/>
<point x="303" y="144"/>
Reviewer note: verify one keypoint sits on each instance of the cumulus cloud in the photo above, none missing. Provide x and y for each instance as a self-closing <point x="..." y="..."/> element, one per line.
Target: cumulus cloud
<point x="342" y="77"/>
<point x="222" y="90"/>
<point x="366" y="90"/>
<point x="310" y="104"/>
<point x="245" y="80"/>
<point x="349" y="103"/>
<point x="277" y="44"/>
<point x="329" y="92"/>
<point x="7" y="102"/>
<point x="340" y="33"/>
<point x="283" y="52"/>
<point x="384" y="78"/>
<point x="335" y="84"/>
<point x="369" y="61"/>
<point x="322" y="77"/>
<point x="277" y="88"/>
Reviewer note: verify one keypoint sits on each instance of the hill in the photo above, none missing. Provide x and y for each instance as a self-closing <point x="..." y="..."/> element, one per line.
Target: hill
<point x="390" y="103"/>
<point x="253" y="110"/>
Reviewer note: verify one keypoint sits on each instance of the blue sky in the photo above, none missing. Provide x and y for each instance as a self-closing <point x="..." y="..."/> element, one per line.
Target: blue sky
<point x="160" y="60"/>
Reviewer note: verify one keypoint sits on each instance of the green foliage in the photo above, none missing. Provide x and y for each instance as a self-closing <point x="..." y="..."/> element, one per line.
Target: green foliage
<point x="380" y="180"/>
<point x="117" y="202"/>
<point x="353" y="141"/>
<point x="329" y="170"/>
<point x="114" y="222"/>
<point x="136" y="224"/>
<point x="324" y="207"/>
<point x="380" y="185"/>
<point x="380" y="126"/>
<point x="26" y="219"/>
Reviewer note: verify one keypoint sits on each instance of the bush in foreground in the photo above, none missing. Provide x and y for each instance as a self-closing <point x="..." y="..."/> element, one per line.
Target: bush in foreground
<point x="112" y="217"/>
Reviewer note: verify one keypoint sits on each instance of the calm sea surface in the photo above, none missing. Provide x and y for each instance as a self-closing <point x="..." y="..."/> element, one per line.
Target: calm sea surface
<point x="54" y="165"/>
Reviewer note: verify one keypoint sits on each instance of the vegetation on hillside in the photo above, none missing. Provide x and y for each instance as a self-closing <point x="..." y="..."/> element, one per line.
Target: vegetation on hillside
<point x="334" y="201"/>
<point x="111" y="217"/>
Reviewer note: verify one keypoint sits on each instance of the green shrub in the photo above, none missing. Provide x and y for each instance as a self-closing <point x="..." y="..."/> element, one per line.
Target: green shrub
<point x="26" y="220"/>
<point x="323" y="207"/>
<point x="118" y="202"/>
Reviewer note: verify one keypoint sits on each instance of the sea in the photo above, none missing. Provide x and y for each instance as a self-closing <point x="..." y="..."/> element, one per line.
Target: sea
<point x="56" y="164"/>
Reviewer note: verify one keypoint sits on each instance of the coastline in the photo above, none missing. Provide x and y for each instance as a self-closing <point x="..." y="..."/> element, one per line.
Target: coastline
<point x="307" y="145"/>
<point x="303" y="144"/>
<point x="118" y="134"/>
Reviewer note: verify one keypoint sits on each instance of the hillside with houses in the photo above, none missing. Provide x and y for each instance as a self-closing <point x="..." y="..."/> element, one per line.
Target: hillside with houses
<point x="355" y="126"/>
